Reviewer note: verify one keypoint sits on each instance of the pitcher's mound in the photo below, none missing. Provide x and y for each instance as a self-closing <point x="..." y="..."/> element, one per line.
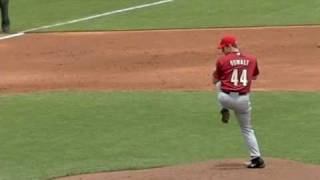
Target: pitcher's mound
<point x="233" y="169"/>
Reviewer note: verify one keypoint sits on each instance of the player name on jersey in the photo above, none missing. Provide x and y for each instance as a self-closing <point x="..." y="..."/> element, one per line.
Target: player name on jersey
<point x="236" y="62"/>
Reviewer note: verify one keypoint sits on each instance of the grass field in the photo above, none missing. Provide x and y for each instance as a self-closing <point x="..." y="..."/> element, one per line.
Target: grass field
<point x="54" y="134"/>
<point x="177" y="14"/>
<point x="45" y="135"/>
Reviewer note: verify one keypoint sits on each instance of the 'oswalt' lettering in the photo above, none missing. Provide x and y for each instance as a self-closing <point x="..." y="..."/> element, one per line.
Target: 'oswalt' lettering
<point x="237" y="62"/>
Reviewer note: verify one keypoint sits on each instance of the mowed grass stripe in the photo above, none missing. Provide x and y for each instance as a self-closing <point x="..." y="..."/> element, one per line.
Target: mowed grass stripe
<point x="43" y="15"/>
<point x="91" y="17"/>
<point x="53" y="134"/>
<point x="179" y="14"/>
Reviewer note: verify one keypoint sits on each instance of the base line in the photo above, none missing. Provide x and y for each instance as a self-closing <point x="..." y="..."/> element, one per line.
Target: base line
<point x="86" y="18"/>
<point x="11" y="36"/>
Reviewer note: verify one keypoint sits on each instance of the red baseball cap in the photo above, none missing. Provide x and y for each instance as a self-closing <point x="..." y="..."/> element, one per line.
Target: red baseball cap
<point x="227" y="40"/>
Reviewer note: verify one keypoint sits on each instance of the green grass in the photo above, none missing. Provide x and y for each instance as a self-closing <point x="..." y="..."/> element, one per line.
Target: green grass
<point x="41" y="13"/>
<point x="54" y="134"/>
<point x="178" y="14"/>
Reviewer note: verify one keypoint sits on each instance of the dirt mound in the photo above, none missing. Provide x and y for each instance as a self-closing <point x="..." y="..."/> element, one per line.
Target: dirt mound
<point x="178" y="59"/>
<point x="233" y="169"/>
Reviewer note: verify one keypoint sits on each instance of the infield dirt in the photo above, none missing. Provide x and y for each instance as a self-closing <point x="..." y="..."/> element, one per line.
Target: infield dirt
<point x="215" y="170"/>
<point x="153" y="60"/>
<point x="165" y="60"/>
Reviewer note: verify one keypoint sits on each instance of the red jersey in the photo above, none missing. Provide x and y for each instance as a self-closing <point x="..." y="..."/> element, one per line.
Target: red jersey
<point x="236" y="71"/>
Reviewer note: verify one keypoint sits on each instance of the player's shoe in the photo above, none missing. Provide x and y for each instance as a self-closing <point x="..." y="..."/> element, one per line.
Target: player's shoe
<point x="256" y="162"/>
<point x="225" y="115"/>
<point x="6" y="27"/>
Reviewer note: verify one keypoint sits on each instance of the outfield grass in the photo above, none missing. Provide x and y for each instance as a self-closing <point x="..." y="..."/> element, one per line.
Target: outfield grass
<point x="53" y="134"/>
<point x="178" y="14"/>
<point x="41" y="13"/>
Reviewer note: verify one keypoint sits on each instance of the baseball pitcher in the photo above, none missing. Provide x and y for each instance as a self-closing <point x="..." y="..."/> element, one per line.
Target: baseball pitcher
<point x="233" y="76"/>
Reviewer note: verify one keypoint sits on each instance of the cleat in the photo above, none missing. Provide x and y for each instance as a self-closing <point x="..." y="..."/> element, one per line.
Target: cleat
<point x="6" y="29"/>
<point x="256" y="162"/>
<point x="225" y="115"/>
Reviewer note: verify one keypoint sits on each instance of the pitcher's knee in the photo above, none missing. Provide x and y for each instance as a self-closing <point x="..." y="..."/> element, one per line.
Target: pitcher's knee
<point x="247" y="130"/>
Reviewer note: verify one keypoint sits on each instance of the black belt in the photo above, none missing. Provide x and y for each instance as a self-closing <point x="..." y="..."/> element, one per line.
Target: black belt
<point x="228" y="92"/>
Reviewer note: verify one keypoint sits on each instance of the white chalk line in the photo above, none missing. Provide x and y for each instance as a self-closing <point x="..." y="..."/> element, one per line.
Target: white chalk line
<point x="11" y="36"/>
<point x="85" y="18"/>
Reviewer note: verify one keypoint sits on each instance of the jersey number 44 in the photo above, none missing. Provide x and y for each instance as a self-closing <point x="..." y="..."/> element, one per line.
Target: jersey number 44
<point x="239" y="76"/>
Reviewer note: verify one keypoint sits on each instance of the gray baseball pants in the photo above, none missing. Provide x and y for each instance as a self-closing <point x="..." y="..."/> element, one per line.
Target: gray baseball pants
<point x="241" y="106"/>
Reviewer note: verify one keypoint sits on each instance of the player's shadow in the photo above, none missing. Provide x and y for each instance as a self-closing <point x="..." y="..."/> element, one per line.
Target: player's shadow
<point x="230" y="166"/>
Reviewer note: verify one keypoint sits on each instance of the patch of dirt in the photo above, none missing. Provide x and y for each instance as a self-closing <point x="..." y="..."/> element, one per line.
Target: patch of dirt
<point x="155" y="60"/>
<point x="231" y="169"/>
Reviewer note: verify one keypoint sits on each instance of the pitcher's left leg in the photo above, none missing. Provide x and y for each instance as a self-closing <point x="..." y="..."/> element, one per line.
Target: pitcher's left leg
<point x="248" y="133"/>
<point x="243" y="114"/>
